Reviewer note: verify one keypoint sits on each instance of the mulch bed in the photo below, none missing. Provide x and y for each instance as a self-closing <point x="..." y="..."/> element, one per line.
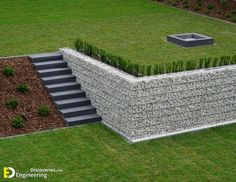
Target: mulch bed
<point x="28" y="102"/>
<point x="212" y="8"/>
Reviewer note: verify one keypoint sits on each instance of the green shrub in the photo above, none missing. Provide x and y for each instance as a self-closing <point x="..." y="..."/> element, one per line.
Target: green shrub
<point x="168" y="68"/>
<point x="12" y="103"/>
<point x="142" y="70"/>
<point x="17" y="122"/>
<point x="8" y="71"/>
<point x="156" y="69"/>
<point x="129" y="68"/>
<point x="122" y="64"/>
<point x="136" y="69"/>
<point x="180" y="66"/>
<point x="207" y="62"/>
<point x="224" y="60"/>
<point x="43" y="111"/>
<point x="161" y="68"/>
<point x="190" y="65"/>
<point x="233" y="59"/>
<point x="215" y="62"/>
<point x="22" y="88"/>
<point x="148" y="70"/>
<point x="201" y="61"/>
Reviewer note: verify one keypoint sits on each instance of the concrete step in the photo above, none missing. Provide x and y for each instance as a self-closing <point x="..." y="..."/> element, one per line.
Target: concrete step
<point x="66" y="93"/>
<point x="69" y="94"/>
<point x="68" y="103"/>
<point x="78" y="111"/>
<point x="58" y="79"/>
<point x="90" y="118"/>
<point x="51" y="64"/>
<point x="35" y="58"/>
<point x="54" y="72"/>
<point x="63" y="86"/>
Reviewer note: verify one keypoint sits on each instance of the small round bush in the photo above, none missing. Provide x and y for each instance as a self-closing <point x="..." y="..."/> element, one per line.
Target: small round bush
<point x="43" y="111"/>
<point x="8" y="71"/>
<point x="22" y="88"/>
<point x="12" y="103"/>
<point x="17" y="122"/>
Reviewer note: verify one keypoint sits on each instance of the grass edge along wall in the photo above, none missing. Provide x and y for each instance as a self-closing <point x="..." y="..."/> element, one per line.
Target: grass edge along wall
<point x="147" y="70"/>
<point x="155" y="106"/>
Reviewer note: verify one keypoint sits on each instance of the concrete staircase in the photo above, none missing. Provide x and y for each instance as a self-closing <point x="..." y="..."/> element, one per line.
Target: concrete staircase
<point x="69" y="98"/>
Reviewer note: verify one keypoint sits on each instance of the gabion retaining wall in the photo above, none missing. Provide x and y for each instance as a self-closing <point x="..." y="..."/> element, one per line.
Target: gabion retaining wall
<point x="156" y="106"/>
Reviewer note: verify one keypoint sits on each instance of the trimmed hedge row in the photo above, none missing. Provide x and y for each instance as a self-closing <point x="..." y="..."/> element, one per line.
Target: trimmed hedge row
<point x="147" y="70"/>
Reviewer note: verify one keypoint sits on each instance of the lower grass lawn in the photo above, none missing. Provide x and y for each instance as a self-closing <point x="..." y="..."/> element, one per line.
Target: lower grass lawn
<point x="95" y="153"/>
<point x="133" y="29"/>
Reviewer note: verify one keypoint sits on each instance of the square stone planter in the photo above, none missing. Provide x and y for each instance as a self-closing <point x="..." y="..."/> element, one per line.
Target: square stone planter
<point x="190" y="39"/>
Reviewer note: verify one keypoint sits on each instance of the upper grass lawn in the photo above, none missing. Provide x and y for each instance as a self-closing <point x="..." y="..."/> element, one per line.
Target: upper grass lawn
<point x="134" y="29"/>
<point x="95" y="153"/>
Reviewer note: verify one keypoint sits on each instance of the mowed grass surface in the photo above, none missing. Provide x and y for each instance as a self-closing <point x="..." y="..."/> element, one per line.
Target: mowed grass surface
<point x="134" y="29"/>
<point x="95" y="153"/>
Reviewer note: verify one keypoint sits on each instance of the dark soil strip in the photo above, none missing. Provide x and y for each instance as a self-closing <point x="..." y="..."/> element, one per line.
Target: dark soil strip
<point x="214" y="8"/>
<point x="28" y="103"/>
